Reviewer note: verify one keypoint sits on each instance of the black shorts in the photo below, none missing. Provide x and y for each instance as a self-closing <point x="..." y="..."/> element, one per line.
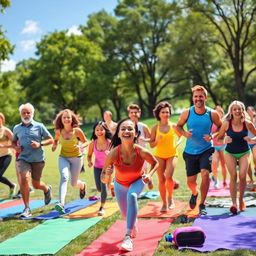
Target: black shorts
<point x="195" y="163"/>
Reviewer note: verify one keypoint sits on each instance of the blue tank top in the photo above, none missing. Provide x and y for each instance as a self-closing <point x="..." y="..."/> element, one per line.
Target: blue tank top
<point x="238" y="144"/>
<point x="200" y="125"/>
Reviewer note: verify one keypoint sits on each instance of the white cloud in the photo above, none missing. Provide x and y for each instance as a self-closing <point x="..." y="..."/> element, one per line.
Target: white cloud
<point x="7" y="65"/>
<point x="31" y="27"/>
<point x="28" y="45"/>
<point x="74" y="30"/>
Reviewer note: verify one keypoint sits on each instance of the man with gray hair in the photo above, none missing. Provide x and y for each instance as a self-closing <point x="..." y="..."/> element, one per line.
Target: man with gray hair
<point x="28" y="141"/>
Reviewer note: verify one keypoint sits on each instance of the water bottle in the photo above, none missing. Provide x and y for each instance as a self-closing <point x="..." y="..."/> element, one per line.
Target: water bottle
<point x="169" y="237"/>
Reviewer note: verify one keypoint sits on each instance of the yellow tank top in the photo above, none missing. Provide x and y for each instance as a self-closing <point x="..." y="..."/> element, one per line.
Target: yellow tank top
<point x="4" y="140"/>
<point x="69" y="147"/>
<point x="165" y="147"/>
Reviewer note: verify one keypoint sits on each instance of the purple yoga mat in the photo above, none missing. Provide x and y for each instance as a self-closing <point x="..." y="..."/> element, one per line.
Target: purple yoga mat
<point x="226" y="232"/>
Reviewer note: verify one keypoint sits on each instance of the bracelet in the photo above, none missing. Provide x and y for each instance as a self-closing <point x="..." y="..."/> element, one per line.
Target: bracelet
<point x="41" y="145"/>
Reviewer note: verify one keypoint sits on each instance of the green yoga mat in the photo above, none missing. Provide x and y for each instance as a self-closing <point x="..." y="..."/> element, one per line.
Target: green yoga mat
<point x="48" y="237"/>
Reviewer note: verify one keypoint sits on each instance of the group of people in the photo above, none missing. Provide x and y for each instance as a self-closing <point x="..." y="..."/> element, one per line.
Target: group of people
<point x="117" y="152"/>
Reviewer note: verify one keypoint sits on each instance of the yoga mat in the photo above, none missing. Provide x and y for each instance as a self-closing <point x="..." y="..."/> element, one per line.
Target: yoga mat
<point x="4" y="213"/>
<point x="249" y="201"/>
<point x="149" y="195"/>
<point x="92" y="211"/>
<point x="214" y="211"/>
<point x="4" y="200"/>
<point x="150" y="233"/>
<point x="221" y="191"/>
<point x="46" y="238"/>
<point x="69" y="208"/>
<point x="226" y="232"/>
<point x="152" y="210"/>
<point x="193" y="213"/>
<point x="11" y="203"/>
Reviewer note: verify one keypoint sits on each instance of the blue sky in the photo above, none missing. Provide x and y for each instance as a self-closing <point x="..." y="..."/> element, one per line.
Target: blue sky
<point x="26" y="21"/>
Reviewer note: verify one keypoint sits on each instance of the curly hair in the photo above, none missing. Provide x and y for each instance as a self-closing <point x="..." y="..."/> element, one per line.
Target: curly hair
<point x="58" y="120"/>
<point x="159" y="106"/>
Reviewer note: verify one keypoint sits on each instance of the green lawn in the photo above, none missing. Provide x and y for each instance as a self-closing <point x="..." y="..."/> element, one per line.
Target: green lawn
<point x="12" y="226"/>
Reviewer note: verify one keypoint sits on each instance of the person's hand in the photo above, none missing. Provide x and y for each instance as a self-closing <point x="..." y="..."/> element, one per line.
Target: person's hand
<point x="35" y="144"/>
<point x="207" y="137"/>
<point x="227" y="140"/>
<point x="188" y="133"/>
<point x="146" y="178"/>
<point x="249" y="140"/>
<point x="90" y="164"/>
<point x="54" y="146"/>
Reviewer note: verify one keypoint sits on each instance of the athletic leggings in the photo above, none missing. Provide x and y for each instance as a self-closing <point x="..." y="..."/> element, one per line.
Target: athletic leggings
<point x="4" y="163"/>
<point x="101" y="187"/>
<point x="66" y="165"/>
<point x="127" y="201"/>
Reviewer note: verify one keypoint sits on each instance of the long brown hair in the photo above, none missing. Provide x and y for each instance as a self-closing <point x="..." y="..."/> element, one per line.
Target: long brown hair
<point x="58" y="120"/>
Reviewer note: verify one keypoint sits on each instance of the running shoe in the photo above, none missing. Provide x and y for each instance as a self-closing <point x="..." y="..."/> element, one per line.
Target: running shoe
<point x="101" y="211"/>
<point x="192" y="201"/>
<point x="26" y="213"/>
<point x="202" y="209"/>
<point x="48" y="195"/>
<point x="59" y="207"/>
<point x="82" y="192"/>
<point x="12" y="191"/>
<point x="127" y="244"/>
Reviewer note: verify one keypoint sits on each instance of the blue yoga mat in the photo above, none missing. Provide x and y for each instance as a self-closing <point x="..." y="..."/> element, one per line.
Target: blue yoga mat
<point x="7" y="212"/>
<point x="214" y="211"/>
<point x="226" y="232"/>
<point x="69" y="208"/>
<point x="149" y="195"/>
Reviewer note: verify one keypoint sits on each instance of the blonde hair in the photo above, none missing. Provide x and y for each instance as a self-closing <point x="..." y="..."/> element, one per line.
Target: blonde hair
<point x="229" y="115"/>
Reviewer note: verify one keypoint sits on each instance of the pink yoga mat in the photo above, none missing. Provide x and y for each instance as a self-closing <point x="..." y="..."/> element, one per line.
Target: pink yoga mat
<point x="11" y="203"/>
<point x="218" y="192"/>
<point x="152" y="210"/>
<point x="146" y="242"/>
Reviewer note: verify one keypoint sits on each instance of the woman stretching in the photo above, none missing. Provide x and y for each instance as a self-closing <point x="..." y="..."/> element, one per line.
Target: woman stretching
<point x="163" y="139"/>
<point x="128" y="159"/>
<point x="234" y="133"/>
<point x="100" y="147"/>
<point x="68" y="133"/>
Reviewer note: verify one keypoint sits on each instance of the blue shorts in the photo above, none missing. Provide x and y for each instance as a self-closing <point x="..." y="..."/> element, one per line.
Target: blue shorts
<point x="219" y="148"/>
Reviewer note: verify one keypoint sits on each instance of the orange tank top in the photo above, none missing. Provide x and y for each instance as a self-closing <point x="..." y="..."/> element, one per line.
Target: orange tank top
<point x="127" y="174"/>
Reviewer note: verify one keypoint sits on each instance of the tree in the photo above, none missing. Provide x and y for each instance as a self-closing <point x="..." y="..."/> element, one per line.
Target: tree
<point x="65" y="68"/>
<point x="101" y="28"/>
<point x="143" y="31"/>
<point x="5" y="46"/>
<point x="235" y="23"/>
<point x="12" y="96"/>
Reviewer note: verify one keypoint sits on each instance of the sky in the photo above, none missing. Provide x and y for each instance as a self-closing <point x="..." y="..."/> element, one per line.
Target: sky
<point x="27" y="21"/>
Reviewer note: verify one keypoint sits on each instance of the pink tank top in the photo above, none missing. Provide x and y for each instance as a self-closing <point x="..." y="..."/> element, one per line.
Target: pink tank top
<point x="100" y="156"/>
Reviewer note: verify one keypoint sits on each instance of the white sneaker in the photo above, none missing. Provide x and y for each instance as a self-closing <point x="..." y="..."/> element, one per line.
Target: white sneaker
<point x="26" y="213"/>
<point x="127" y="244"/>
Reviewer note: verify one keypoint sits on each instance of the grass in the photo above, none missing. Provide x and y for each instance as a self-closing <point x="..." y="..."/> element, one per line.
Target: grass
<point x="12" y="226"/>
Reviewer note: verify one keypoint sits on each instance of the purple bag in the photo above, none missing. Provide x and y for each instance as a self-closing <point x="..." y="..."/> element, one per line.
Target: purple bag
<point x="189" y="236"/>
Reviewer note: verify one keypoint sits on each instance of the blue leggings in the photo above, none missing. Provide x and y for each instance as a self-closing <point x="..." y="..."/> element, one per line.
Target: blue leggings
<point x="127" y="201"/>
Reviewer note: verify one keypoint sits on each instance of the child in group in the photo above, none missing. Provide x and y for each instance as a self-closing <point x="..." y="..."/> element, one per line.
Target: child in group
<point x="68" y="133"/>
<point x="128" y="159"/>
<point x="101" y="137"/>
